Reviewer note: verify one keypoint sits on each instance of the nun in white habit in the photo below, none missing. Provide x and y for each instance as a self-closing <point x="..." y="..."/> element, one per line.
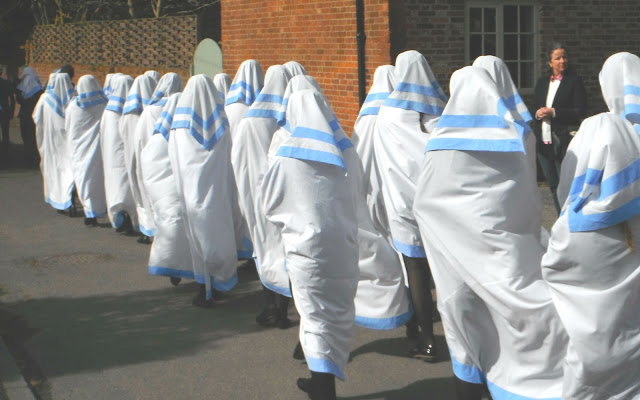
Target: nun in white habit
<point x="138" y="98"/>
<point x="249" y="158"/>
<point x="169" y="84"/>
<point x="384" y="81"/>
<point x="53" y="144"/>
<point x="108" y="81"/>
<point x="82" y="123"/>
<point x="120" y="204"/>
<point x="199" y="151"/>
<point x="402" y="129"/>
<point x="295" y="68"/>
<point x="222" y="82"/>
<point x="308" y="194"/>
<point x="154" y="75"/>
<point x="592" y="262"/>
<point x="478" y="214"/>
<point x="244" y="90"/>
<point x="512" y="100"/>
<point x="170" y="255"/>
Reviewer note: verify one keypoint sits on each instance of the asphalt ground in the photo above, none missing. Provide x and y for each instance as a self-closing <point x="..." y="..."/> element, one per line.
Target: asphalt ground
<point x="80" y="318"/>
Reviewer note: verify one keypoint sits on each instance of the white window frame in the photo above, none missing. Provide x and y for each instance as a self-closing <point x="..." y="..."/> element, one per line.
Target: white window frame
<point x="499" y="6"/>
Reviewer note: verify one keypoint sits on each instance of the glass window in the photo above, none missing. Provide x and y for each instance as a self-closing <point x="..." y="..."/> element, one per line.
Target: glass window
<point x="506" y="31"/>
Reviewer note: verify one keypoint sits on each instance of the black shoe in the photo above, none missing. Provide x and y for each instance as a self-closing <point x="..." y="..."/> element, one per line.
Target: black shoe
<point x="321" y="386"/>
<point x="426" y="353"/>
<point x="200" y="299"/>
<point x="305" y="384"/>
<point x="298" y="353"/>
<point x="268" y="317"/>
<point x="91" y="221"/>
<point x="174" y="280"/>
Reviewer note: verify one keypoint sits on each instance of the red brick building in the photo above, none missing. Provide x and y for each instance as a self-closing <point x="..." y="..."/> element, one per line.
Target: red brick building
<point x="321" y="34"/>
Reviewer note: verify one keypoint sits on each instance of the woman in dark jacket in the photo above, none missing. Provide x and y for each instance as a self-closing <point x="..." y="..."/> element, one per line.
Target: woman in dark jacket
<point x="560" y="102"/>
<point x="28" y="93"/>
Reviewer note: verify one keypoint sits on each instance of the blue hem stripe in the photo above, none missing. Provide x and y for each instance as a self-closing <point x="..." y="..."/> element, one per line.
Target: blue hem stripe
<point x="369" y="111"/>
<point x="579" y="222"/>
<point x="471" y="121"/>
<point x="383" y="323"/>
<point x="421" y="89"/>
<point x="59" y="206"/>
<point x="166" y="271"/>
<point x="410" y="250"/>
<point x="261" y="113"/>
<point x="285" y="291"/>
<point x="147" y="232"/>
<point x="326" y="366"/>
<point x="311" y="155"/>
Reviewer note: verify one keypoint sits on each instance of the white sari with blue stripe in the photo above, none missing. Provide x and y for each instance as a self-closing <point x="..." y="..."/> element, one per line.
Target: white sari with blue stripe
<point x="116" y="179"/>
<point x="138" y="99"/>
<point x="308" y="194"/>
<point x="169" y="83"/>
<point x="249" y="158"/>
<point x="170" y="254"/>
<point x="402" y="130"/>
<point x="222" y="82"/>
<point x="82" y="123"/>
<point x="244" y="91"/>
<point x="55" y="162"/>
<point x="199" y="151"/>
<point x="29" y="83"/>
<point x="363" y="132"/>
<point x="592" y="263"/>
<point x="479" y="215"/>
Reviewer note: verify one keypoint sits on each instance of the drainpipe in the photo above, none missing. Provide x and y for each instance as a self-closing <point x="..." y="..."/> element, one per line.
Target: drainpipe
<point x="361" y="38"/>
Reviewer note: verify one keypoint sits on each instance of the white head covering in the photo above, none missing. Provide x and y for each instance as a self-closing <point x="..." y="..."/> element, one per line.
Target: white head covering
<point x="201" y="110"/>
<point x="89" y="92"/>
<point x="295" y="68"/>
<point x="620" y="83"/>
<point x="384" y="81"/>
<point x="268" y="103"/>
<point x="476" y="117"/>
<point x="169" y="84"/>
<point x="247" y="84"/>
<point x="417" y="88"/>
<point x="155" y="75"/>
<point x="163" y="124"/>
<point x="121" y="85"/>
<point x="315" y="133"/>
<point x="299" y="82"/>
<point x="59" y="92"/>
<point x="108" y="82"/>
<point x="508" y="90"/>
<point x="139" y="95"/>
<point x="222" y="82"/>
<point x="29" y="83"/>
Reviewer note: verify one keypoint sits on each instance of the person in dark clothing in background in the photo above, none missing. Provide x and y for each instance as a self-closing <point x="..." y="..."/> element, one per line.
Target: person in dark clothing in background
<point x="28" y="93"/>
<point x="67" y="69"/>
<point x="7" y="108"/>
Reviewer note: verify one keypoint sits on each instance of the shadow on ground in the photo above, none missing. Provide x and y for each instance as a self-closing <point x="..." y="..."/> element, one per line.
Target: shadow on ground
<point x="424" y="389"/>
<point x="72" y="335"/>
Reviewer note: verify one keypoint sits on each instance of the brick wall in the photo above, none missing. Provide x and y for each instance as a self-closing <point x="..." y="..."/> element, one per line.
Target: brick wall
<point x="127" y="46"/>
<point x="320" y="34"/>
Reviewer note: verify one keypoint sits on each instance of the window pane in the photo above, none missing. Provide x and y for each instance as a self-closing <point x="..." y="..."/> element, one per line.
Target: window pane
<point x="475" y="20"/>
<point x="475" y="46"/>
<point x="526" y="19"/>
<point x="513" y="70"/>
<point x="510" y="47"/>
<point x="526" y="47"/>
<point x="489" y="19"/>
<point x="526" y="76"/>
<point x="490" y="45"/>
<point x="510" y="18"/>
